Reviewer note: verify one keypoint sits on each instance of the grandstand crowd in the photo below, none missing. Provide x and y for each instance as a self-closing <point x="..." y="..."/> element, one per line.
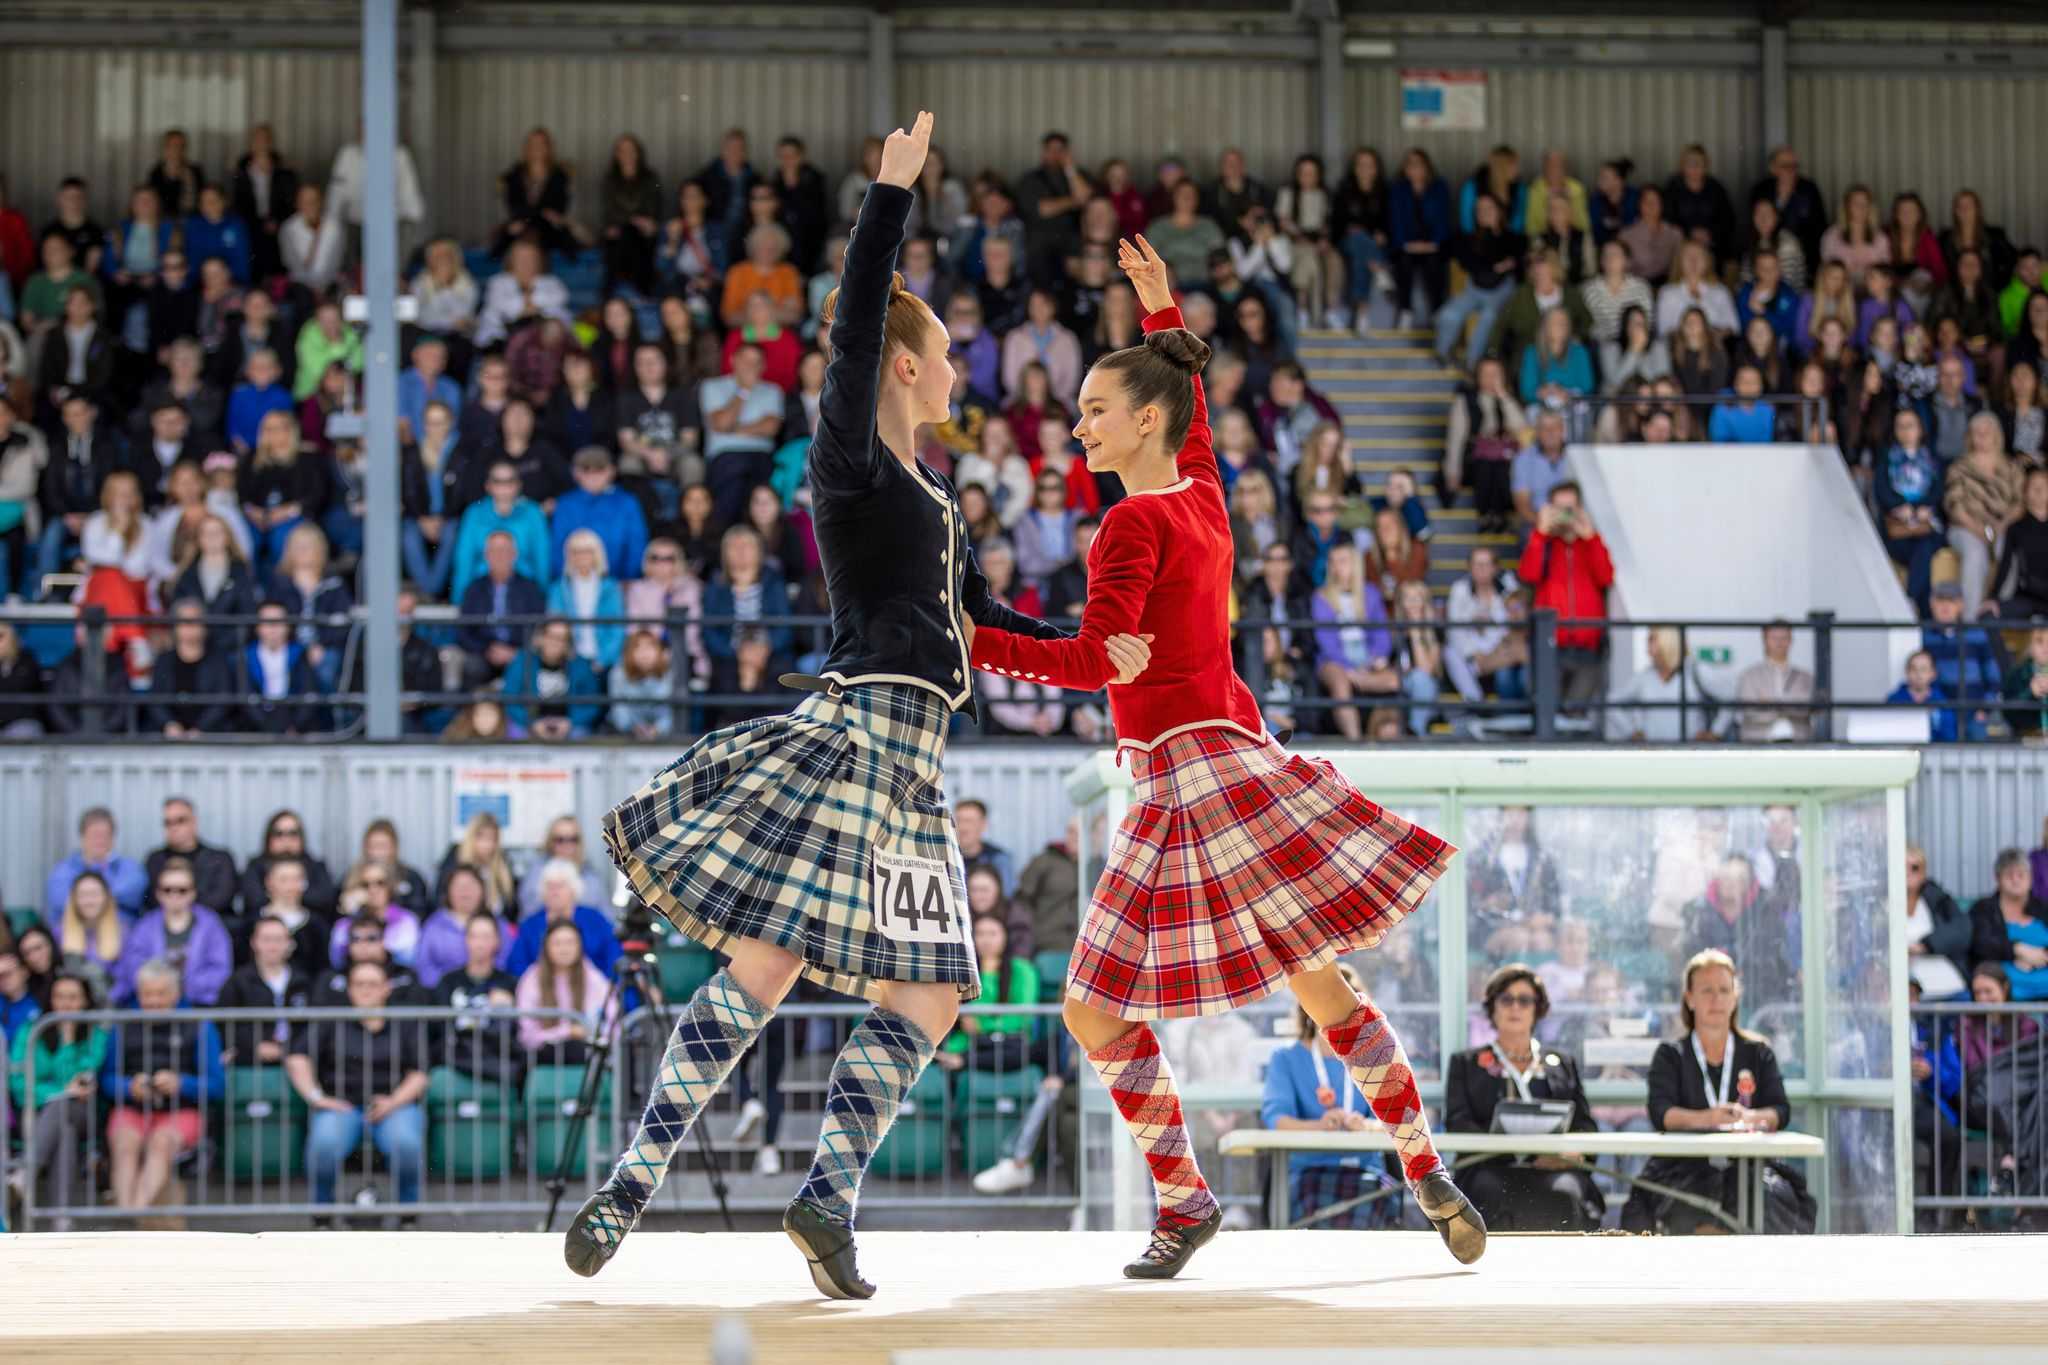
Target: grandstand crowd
<point x="605" y="410"/>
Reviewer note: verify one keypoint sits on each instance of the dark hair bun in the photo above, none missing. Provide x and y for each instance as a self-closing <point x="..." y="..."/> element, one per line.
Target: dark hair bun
<point x="1187" y="352"/>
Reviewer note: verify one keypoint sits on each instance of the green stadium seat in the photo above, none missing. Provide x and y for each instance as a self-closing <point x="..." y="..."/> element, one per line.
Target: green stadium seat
<point x="1052" y="976"/>
<point x="266" y="1125"/>
<point x="551" y="1093"/>
<point x="684" y="967"/>
<point x="469" y="1125"/>
<point x="21" y="917"/>
<point x="992" y="1106"/>
<point x="917" y="1143"/>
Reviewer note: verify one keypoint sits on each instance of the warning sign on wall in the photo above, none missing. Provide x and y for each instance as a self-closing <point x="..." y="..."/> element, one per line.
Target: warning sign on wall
<point x="1450" y="101"/>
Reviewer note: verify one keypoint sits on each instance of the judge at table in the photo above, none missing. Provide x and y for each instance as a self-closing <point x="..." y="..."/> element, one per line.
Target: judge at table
<point x="1308" y="1087"/>
<point x="1719" y="1077"/>
<point x="1543" y="1194"/>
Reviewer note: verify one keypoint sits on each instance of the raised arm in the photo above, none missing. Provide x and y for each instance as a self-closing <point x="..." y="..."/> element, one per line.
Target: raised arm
<point x="843" y="452"/>
<point x="1121" y="567"/>
<point x="1147" y="273"/>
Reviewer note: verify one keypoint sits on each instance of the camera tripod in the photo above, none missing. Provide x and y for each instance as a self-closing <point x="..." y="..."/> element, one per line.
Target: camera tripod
<point x="636" y="972"/>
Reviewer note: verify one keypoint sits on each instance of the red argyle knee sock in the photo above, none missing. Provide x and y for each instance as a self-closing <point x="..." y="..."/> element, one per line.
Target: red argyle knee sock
<point x="1141" y="1083"/>
<point x="1372" y="1052"/>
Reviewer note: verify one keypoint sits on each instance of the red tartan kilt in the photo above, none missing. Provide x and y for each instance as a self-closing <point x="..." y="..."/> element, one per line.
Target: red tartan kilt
<point x="1237" y="866"/>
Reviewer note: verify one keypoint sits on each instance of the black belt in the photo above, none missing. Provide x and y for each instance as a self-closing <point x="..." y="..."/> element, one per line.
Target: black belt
<point x="811" y="682"/>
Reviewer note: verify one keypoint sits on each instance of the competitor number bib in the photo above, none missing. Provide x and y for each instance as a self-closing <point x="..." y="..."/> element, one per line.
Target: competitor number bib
<point x="913" y="900"/>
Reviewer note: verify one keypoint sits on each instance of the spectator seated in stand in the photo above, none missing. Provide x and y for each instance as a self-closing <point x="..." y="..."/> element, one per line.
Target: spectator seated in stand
<point x="480" y="1047"/>
<point x="1965" y="663"/>
<point x="1938" y="934"/>
<point x="196" y="665"/>
<point x="994" y="1043"/>
<point x="564" y="978"/>
<point x="1353" y="645"/>
<point x="68" y="1059"/>
<point x="2026" y="687"/>
<point x="599" y="506"/>
<point x="1748" y="420"/>
<point x="271" y="979"/>
<point x="565" y="841"/>
<point x="560" y="884"/>
<point x="284" y="837"/>
<point x="1543" y="1194"/>
<point x="1919" y="689"/>
<point x="367" y="894"/>
<point x="282" y="679"/>
<point x="1772" y="691"/>
<point x="970" y="823"/>
<point x="1307" y="1087"/>
<point x="642" y="688"/>
<point x="482" y="848"/>
<point x="550" y="691"/>
<point x="162" y="1073"/>
<point x="588" y="597"/>
<point x="124" y="877"/>
<point x="187" y="935"/>
<point x="1907" y="483"/>
<point x="213" y="868"/>
<point x="1048" y="892"/>
<point x="444" y="941"/>
<point x="367" y="1072"/>
<point x="2010" y="927"/>
<point x="18" y="1005"/>
<point x="1648" y="707"/>
<point x="497" y="609"/>
<point x="521" y="294"/>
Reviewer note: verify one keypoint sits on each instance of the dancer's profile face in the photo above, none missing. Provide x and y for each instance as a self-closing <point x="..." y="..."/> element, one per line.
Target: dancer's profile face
<point x="1111" y="431"/>
<point x="928" y="373"/>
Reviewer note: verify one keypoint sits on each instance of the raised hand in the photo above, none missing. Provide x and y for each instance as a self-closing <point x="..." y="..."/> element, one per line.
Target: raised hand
<point x="1132" y="655"/>
<point x="1146" y="271"/>
<point x="903" y="153"/>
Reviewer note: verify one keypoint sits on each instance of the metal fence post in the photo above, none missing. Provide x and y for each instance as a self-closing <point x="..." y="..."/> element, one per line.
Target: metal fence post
<point x="1543" y="679"/>
<point x="91" y="719"/>
<point x="1823" y="623"/>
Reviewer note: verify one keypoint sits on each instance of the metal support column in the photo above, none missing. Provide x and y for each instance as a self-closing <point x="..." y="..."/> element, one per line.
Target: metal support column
<point x="882" y="112"/>
<point x="1329" y="88"/>
<point x="380" y="365"/>
<point x="419" y="114"/>
<point x="1771" y="89"/>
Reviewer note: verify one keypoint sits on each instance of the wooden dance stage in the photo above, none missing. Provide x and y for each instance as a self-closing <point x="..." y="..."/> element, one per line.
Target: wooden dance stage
<point x="1290" y="1298"/>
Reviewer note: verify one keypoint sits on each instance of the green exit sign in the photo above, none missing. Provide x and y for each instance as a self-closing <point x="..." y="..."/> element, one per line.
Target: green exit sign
<point x="1714" y="654"/>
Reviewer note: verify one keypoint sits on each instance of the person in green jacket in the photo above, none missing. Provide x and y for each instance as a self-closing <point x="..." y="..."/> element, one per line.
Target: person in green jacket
<point x="1522" y="319"/>
<point x="2012" y="300"/>
<point x="68" y="1058"/>
<point x="994" y="1042"/>
<point x="322" y="341"/>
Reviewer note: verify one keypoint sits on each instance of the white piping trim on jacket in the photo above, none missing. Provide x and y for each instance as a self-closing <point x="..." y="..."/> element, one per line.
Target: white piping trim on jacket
<point x="1221" y="724"/>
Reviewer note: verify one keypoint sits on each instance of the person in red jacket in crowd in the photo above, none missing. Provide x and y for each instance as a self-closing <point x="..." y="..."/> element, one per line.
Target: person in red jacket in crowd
<point x="1567" y="564"/>
<point x="17" y="247"/>
<point x="1240" y="866"/>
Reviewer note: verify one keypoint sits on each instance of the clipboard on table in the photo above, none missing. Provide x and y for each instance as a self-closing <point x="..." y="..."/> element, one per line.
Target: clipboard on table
<point x="1532" y="1118"/>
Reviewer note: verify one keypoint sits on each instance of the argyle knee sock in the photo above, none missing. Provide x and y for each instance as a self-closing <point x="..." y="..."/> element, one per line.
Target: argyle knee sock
<point x="1379" y="1068"/>
<point x="712" y="1033"/>
<point x="882" y="1059"/>
<point x="1135" y="1072"/>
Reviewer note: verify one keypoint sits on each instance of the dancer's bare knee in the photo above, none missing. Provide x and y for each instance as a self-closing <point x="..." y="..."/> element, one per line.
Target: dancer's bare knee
<point x="763" y="970"/>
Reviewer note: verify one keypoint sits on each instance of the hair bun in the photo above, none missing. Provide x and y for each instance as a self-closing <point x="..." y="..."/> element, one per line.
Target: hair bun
<point x="897" y="288"/>
<point x="1187" y="352"/>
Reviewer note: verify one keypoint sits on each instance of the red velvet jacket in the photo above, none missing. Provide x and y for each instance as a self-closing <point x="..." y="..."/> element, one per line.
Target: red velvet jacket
<point x="1160" y="566"/>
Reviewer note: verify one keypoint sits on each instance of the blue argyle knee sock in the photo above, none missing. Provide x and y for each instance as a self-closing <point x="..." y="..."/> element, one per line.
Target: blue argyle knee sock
<point x="882" y="1059"/>
<point x="714" y="1031"/>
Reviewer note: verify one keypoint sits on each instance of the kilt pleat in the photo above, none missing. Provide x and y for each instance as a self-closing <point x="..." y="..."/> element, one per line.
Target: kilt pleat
<point x="767" y="831"/>
<point x="1237" y="866"/>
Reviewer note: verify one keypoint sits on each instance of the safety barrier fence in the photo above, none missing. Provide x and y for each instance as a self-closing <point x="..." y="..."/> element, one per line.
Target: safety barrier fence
<point x="1980" y="1110"/>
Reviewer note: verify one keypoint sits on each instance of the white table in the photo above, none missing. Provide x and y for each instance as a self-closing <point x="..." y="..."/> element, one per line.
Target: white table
<point x="1749" y="1151"/>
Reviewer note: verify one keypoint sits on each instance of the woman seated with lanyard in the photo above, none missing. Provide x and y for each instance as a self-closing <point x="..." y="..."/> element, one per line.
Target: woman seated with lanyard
<point x="1720" y="1077"/>
<point x="1540" y="1194"/>
<point x="1309" y="1087"/>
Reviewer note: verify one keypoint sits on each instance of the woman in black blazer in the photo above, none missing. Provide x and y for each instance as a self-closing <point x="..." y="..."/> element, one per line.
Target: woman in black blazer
<point x="1518" y="1194"/>
<point x="1719" y="1077"/>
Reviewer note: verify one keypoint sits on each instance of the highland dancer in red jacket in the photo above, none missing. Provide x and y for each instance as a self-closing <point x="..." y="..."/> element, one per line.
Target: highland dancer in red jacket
<point x="1239" y="866"/>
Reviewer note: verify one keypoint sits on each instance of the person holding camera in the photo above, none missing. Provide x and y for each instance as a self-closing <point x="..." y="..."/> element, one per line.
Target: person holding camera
<point x="1567" y="564"/>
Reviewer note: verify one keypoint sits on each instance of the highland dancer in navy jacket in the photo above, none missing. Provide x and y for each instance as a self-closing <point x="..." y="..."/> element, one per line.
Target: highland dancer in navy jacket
<point x="817" y="843"/>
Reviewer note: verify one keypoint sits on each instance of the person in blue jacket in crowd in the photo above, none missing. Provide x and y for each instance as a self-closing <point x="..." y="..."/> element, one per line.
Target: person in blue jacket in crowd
<point x="1309" y="1087"/>
<point x="597" y="504"/>
<point x="215" y="233"/>
<point x="561" y="881"/>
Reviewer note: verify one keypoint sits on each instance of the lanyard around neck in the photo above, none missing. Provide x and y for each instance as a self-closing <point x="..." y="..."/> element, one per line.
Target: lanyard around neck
<point x="1519" y="1077"/>
<point x="1727" y="1068"/>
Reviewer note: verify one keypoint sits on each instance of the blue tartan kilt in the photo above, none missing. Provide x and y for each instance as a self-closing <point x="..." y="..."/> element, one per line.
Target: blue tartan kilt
<point x="1319" y="1187"/>
<point x="767" y="830"/>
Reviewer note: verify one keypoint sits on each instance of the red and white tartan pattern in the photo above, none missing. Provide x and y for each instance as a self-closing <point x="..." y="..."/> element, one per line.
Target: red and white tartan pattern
<point x="1378" y="1064"/>
<point x="1135" y="1073"/>
<point x="1239" y="865"/>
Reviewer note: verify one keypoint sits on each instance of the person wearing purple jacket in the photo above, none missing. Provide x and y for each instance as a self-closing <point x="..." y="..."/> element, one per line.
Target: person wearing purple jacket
<point x="181" y="932"/>
<point x="1353" y="645"/>
<point x="443" y="945"/>
<point x="370" y="887"/>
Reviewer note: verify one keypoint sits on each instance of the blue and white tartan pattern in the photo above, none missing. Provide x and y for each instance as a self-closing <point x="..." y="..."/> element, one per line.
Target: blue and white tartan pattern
<point x="713" y="1032"/>
<point x="882" y="1059"/>
<point x="767" y="830"/>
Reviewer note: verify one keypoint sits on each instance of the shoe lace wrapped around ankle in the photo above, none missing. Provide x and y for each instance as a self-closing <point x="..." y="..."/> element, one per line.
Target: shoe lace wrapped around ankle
<point x="609" y="1222"/>
<point x="1165" y="1244"/>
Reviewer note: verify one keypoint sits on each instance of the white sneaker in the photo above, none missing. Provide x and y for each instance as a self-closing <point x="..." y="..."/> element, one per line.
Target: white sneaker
<point x="768" y="1161"/>
<point x="1337" y="320"/>
<point x="1362" y="324"/>
<point x="1005" y="1177"/>
<point x="1405" y="322"/>
<point x="752" y="1115"/>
